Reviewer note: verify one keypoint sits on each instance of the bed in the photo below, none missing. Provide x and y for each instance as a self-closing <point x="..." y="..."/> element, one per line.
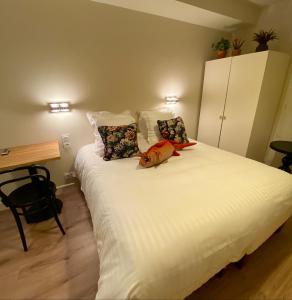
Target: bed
<point x="163" y="232"/>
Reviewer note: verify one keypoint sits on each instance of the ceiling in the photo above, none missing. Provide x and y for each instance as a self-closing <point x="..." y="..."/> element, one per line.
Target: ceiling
<point x="225" y="15"/>
<point x="179" y="11"/>
<point x="263" y="2"/>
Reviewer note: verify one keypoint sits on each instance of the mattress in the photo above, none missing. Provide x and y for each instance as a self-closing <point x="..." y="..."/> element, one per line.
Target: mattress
<point x="162" y="232"/>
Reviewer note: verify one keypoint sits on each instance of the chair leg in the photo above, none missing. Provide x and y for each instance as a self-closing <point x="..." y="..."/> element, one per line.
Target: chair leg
<point x="20" y="228"/>
<point x="54" y="211"/>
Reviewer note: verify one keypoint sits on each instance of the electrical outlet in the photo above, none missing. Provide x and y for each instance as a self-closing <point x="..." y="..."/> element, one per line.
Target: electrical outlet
<point x="70" y="175"/>
<point x="66" y="142"/>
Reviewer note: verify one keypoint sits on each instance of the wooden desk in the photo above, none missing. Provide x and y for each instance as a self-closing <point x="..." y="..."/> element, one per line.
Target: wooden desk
<point x="30" y="154"/>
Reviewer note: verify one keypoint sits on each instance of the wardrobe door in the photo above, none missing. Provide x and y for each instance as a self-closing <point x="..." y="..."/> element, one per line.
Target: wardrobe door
<point x="213" y="100"/>
<point x="246" y="77"/>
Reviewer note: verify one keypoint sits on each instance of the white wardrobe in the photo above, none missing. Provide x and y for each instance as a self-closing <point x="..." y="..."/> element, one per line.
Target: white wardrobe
<point x="240" y="100"/>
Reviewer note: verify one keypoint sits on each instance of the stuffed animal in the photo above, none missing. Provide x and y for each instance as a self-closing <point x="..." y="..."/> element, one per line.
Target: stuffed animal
<point x="160" y="152"/>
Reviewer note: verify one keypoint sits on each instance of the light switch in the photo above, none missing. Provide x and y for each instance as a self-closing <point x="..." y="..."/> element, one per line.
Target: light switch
<point x="66" y="141"/>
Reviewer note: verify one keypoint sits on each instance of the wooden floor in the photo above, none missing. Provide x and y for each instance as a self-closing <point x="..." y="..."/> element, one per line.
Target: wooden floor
<point x="55" y="267"/>
<point x="63" y="268"/>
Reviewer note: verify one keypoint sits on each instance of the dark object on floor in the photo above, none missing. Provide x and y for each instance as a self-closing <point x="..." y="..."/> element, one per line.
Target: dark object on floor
<point x="284" y="147"/>
<point x="221" y="273"/>
<point x="35" y="195"/>
<point x="240" y="264"/>
<point x="280" y="228"/>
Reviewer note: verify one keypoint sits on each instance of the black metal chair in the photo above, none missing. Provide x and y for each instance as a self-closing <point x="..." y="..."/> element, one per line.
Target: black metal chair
<point x="37" y="190"/>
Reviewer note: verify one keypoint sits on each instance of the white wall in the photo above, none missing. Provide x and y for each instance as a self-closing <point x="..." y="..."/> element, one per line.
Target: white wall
<point x="98" y="57"/>
<point x="278" y="16"/>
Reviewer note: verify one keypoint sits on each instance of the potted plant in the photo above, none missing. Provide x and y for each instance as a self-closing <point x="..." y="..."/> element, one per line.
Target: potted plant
<point x="263" y="37"/>
<point x="221" y="47"/>
<point x="237" y="44"/>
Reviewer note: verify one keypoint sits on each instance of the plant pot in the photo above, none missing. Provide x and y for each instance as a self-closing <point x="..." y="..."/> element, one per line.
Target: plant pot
<point x="236" y="52"/>
<point x="262" y="47"/>
<point x="221" y="53"/>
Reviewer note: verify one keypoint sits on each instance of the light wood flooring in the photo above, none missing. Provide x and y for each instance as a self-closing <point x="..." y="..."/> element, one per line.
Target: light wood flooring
<point x="63" y="268"/>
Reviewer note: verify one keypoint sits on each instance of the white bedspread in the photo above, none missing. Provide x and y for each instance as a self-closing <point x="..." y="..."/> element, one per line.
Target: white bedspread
<point x="163" y="232"/>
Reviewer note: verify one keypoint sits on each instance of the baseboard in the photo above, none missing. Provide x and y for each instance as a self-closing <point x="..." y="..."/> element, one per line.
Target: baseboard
<point x="65" y="185"/>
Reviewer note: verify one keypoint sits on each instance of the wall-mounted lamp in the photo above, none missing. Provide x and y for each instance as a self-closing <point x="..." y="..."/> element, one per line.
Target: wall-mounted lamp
<point x="57" y="107"/>
<point x="171" y="99"/>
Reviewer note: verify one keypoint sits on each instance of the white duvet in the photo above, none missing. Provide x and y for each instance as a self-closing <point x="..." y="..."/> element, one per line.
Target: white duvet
<point x="163" y="232"/>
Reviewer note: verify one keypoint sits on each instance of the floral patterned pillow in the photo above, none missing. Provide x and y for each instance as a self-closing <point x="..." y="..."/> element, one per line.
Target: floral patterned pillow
<point x="119" y="141"/>
<point x="173" y="129"/>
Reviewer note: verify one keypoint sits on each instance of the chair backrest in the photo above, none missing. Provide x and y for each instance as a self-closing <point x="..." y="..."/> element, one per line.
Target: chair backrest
<point x="30" y="169"/>
<point x="39" y="181"/>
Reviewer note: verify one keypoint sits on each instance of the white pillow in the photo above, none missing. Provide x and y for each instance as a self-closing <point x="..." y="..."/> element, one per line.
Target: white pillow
<point x="99" y="146"/>
<point x="143" y="144"/>
<point x="148" y="124"/>
<point x="107" y="118"/>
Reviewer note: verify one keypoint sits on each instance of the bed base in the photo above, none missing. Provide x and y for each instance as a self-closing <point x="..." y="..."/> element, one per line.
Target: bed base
<point x="241" y="263"/>
<point x="238" y="264"/>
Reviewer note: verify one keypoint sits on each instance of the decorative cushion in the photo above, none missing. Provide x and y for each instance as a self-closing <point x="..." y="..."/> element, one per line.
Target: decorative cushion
<point x="107" y="118"/>
<point x="148" y="124"/>
<point x="173" y="129"/>
<point x="119" y="141"/>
